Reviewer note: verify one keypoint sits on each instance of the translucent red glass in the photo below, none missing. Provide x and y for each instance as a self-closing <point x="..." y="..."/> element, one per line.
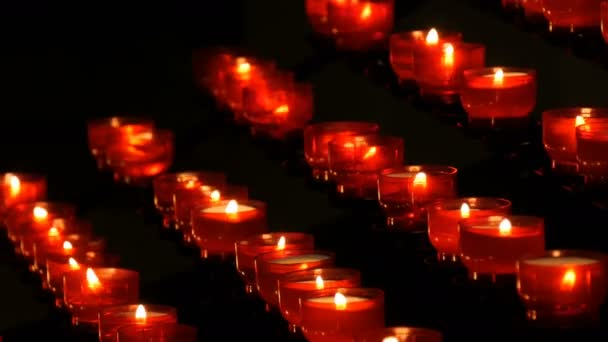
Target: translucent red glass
<point x="18" y="188"/>
<point x="359" y="25"/>
<point x="592" y="149"/>
<point x="402" y="334"/>
<point x="572" y="14"/>
<point x="157" y="333"/>
<point x="112" y="318"/>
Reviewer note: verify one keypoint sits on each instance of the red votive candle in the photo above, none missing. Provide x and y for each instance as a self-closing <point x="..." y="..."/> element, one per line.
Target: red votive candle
<point x="115" y="317"/>
<point x="295" y="286"/>
<point x="68" y="240"/>
<point x="317" y="137"/>
<point x="532" y="8"/>
<point x="438" y="68"/>
<point x="499" y="97"/>
<point x="404" y="192"/>
<point x="216" y="227"/>
<point x="604" y="20"/>
<point x="444" y="216"/>
<point x="356" y="160"/>
<point x="561" y="285"/>
<point x="270" y="267"/>
<point x="592" y="149"/>
<point x="359" y="25"/>
<point x="244" y="73"/>
<point x="21" y="188"/>
<point x="210" y="67"/>
<point x="247" y="250"/>
<point x="492" y="245"/>
<point x="167" y="185"/>
<point x="402" y="334"/>
<point x="401" y="48"/>
<point x="105" y="131"/>
<point x="72" y="245"/>
<point x="316" y="12"/>
<point x="341" y="315"/>
<point x="572" y="15"/>
<point x="29" y="218"/>
<point x="559" y="134"/>
<point x="87" y="291"/>
<point x="157" y="333"/>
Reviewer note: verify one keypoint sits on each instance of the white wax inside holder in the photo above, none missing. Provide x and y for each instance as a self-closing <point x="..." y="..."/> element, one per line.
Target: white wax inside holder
<point x="562" y="261"/>
<point x="149" y="314"/>
<point x="402" y="175"/>
<point x="507" y="74"/>
<point x="221" y="209"/>
<point x="331" y="300"/>
<point x="299" y="259"/>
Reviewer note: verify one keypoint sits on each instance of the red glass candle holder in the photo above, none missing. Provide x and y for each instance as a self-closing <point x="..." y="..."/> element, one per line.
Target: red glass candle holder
<point x="74" y="237"/>
<point x="247" y="250"/>
<point x="532" y="8"/>
<point x="499" y="97"/>
<point x="444" y="216"/>
<point x="561" y="285"/>
<point x="491" y="246"/>
<point x="438" y="68"/>
<point x="604" y="19"/>
<point x="559" y="134"/>
<point x="210" y="67"/>
<point x="54" y="234"/>
<point x="104" y="131"/>
<point x="360" y="25"/>
<point x="167" y="185"/>
<point x="73" y="245"/>
<point x="244" y="73"/>
<point x="356" y="160"/>
<point x="340" y="315"/>
<point x="401" y="48"/>
<point x="115" y="317"/>
<point x="271" y="266"/>
<point x="87" y="291"/>
<point x="402" y="334"/>
<point x="295" y="286"/>
<point x="404" y="192"/>
<point x="316" y="12"/>
<point x="592" y="150"/>
<point x="216" y="227"/>
<point x="157" y="333"/>
<point x="317" y="137"/>
<point x="572" y="15"/>
<point x="21" y="188"/>
<point x="30" y="218"/>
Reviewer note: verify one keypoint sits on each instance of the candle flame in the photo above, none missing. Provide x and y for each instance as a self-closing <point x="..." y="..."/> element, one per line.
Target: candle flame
<point x="283" y="109"/>
<point x="53" y="232"/>
<point x="370" y="153"/>
<point x="281" y="243"/>
<point x="568" y="280"/>
<point x="40" y="213"/>
<point x="432" y="38"/>
<point x="319" y="283"/>
<point x="448" y="55"/>
<point x="191" y="183"/>
<point x="92" y="280"/>
<point x="504" y="228"/>
<point x="67" y="245"/>
<point x="140" y="313"/>
<point x="114" y="122"/>
<point x="13" y="183"/>
<point x="579" y="121"/>
<point x="215" y="195"/>
<point x="390" y="339"/>
<point x="242" y="66"/>
<point x="366" y="12"/>
<point x="420" y="180"/>
<point x="499" y="76"/>
<point x="232" y="207"/>
<point x="465" y="211"/>
<point x="340" y="301"/>
<point x="73" y="264"/>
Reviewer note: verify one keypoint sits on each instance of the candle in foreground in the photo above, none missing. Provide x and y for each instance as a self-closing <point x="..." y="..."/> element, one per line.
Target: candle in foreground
<point x="216" y="227"/>
<point x="270" y="267"/>
<point x="157" y="333"/>
<point x="592" y="150"/>
<point x="402" y="334"/>
<point x="492" y="245"/>
<point x="18" y="188"/>
<point x="247" y="250"/>
<point x="444" y="216"/>
<point x="559" y="134"/>
<point x="86" y="291"/>
<point x="499" y="97"/>
<point x="404" y="192"/>
<point x="294" y="286"/>
<point x="114" y="317"/>
<point x="342" y="315"/>
<point x="562" y="284"/>
<point x="572" y="16"/>
<point x="317" y="137"/>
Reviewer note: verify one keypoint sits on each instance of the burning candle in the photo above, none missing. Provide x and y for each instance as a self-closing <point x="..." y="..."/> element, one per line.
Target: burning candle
<point x="356" y="160"/>
<point x="216" y="227"/>
<point x="72" y="245"/>
<point x="210" y="68"/>
<point x="167" y="185"/>
<point x="293" y="287"/>
<point x="592" y="149"/>
<point x="157" y="333"/>
<point x="405" y="191"/>
<point x="30" y="218"/>
<point x="340" y="315"/>
<point x="401" y="48"/>
<point x="269" y="267"/>
<point x="572" y="15"/>
<point x="244" y="73"/>
<point x="247" y="250"/>
<point x="21" y="188"/>
<point x="115" y="317"/>
<point x="444" y="216"/>
<point x="403" y="334"/>
<point x="499" y="97"/>
<point x="317" y="138"/>
<point x="86" y="291"/>
<point x="492" y="245"/>
<point x="438" y="68"/>
<point x="60" y="234"/>
<point x="562" y="284"/>
<point x="359" y="25"/>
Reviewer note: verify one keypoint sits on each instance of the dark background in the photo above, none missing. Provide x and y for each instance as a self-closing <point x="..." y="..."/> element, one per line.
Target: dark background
<point x="63" y="64"/>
